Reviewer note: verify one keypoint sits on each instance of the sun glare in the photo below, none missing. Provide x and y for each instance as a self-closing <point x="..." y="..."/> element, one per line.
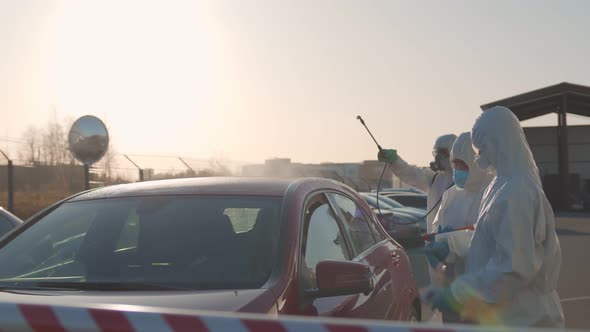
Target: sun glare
<point x="130" y="60"/>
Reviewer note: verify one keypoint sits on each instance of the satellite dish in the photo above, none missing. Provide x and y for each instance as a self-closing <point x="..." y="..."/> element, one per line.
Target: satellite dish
<point x="88" y="139"/>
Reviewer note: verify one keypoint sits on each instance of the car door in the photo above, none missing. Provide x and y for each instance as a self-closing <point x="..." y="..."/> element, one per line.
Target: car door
<point x="400" y="269"/>
<point x="375" y="251"/>
<point x="322" y="238"/>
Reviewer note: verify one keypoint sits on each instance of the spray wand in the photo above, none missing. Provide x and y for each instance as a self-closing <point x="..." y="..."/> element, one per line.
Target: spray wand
<point x="364" y="125"/>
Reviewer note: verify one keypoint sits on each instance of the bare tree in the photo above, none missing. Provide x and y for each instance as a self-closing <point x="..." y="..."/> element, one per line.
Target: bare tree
<point x="32" y="139"/>
<point x="55" y="147"/>
<point x="68" y="121"/>
<point x="109" y="163"/>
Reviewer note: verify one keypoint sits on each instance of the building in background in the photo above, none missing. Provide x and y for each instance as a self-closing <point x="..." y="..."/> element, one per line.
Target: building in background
<point x="562" y="153"/>
<point x="545" y="150"/>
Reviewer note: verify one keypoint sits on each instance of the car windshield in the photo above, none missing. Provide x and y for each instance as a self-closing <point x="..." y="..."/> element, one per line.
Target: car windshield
<point x="416" y="201"/>
<point x="196" y="242"/>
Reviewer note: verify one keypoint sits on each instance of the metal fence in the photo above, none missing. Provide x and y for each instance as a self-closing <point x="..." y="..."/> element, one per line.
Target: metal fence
<point x="28" y="185"/>
<point x="26" y="188"/>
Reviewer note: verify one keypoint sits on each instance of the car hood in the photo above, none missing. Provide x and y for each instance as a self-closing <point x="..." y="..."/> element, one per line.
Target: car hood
<point x="258" y="300"/>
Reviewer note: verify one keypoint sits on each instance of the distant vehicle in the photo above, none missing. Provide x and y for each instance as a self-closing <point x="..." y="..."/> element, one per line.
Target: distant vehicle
<point x="298" y="247"/>
<point x="8" y="221"/>
<point x="394" y="204"/>
<point x="405" y="225"/>
<point x="416" y="213"/>
<point x="408" y="199"/>
<point x="411" y="190"/>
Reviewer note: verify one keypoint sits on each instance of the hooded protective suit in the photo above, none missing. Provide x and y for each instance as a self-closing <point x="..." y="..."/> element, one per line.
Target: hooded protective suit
<point x="460" y="207"/>
<point x="513" y="263"/>
<point x="433" y="183"/>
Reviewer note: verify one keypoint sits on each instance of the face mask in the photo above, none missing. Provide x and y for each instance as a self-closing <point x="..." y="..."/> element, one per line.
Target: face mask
<point x="482" y="162"/>
<point x="460" y="177"/>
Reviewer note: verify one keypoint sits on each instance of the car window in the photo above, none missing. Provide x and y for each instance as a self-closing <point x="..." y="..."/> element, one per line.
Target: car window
<point x="186" y="241"/>
<point x="389" y="201"/>
<point x="383" y="204"/>
<point x="130" y="233"/>
<point x="378" y="233"/>
<point x="355" y="223"/>
<point x="322" y="240"/>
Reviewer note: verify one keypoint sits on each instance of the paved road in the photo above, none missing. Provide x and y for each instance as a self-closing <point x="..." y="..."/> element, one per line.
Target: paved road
<point x="574" y="284"/>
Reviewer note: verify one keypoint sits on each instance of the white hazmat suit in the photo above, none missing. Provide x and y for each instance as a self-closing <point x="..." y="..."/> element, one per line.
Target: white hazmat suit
<point x="433" y="183"/>
<point x="513" y="263"/>
<point x="460" y="206"/>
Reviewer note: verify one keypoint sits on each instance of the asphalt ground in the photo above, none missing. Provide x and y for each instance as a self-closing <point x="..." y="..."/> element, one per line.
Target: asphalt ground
<point x="573" y="230"/>
<point x="574" y="282"/>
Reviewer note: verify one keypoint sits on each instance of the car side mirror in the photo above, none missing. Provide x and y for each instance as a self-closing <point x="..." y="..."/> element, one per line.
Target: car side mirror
<point x="335" y="278"/>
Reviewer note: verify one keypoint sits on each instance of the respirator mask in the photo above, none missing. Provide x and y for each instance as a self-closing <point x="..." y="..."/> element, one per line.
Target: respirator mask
<point x="441" y="160"/>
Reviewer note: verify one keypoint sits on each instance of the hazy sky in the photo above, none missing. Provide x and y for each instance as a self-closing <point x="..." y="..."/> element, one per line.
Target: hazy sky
<point x="250" y="80"/>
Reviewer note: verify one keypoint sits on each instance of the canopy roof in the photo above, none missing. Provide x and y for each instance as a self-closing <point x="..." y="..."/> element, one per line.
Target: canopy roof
<point x="547" y="100"/>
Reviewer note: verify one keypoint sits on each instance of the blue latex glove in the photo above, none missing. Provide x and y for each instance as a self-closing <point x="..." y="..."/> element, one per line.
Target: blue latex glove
<point x="432" y="260"/>
<point x="436" y="252"/>
<point x="440" y="249"/>
<point x="442" y="299"/>
<point x="439" y="230"/>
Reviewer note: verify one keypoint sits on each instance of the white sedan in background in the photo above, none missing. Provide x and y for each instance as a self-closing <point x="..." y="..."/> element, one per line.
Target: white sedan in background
<point x="8" y="221"/>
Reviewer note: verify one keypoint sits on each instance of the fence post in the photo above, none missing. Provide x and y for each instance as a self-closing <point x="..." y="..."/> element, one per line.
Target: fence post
<point x="10" y="182"/>
<point x="192" y="171"/>
<point x="10" y="186"/>
<point x="139" y="168"/>
<point x="86" y="177"/>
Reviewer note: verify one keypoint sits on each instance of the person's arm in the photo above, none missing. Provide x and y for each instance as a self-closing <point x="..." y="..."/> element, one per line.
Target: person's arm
<point x="415" y="176"/>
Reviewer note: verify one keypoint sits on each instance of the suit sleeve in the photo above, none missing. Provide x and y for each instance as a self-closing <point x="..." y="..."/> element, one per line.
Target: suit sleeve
<point x="415" y="176"/>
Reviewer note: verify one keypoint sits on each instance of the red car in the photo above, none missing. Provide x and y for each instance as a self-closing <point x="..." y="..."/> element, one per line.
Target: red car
<point x="277" y="246"/>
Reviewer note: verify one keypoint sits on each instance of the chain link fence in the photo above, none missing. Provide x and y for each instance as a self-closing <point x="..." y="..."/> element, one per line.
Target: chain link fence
<point x="28" y="185"/>
<point x="26" y="188"/>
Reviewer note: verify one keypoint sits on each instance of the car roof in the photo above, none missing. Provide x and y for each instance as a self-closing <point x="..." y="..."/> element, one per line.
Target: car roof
<point x="255" y="186"/>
